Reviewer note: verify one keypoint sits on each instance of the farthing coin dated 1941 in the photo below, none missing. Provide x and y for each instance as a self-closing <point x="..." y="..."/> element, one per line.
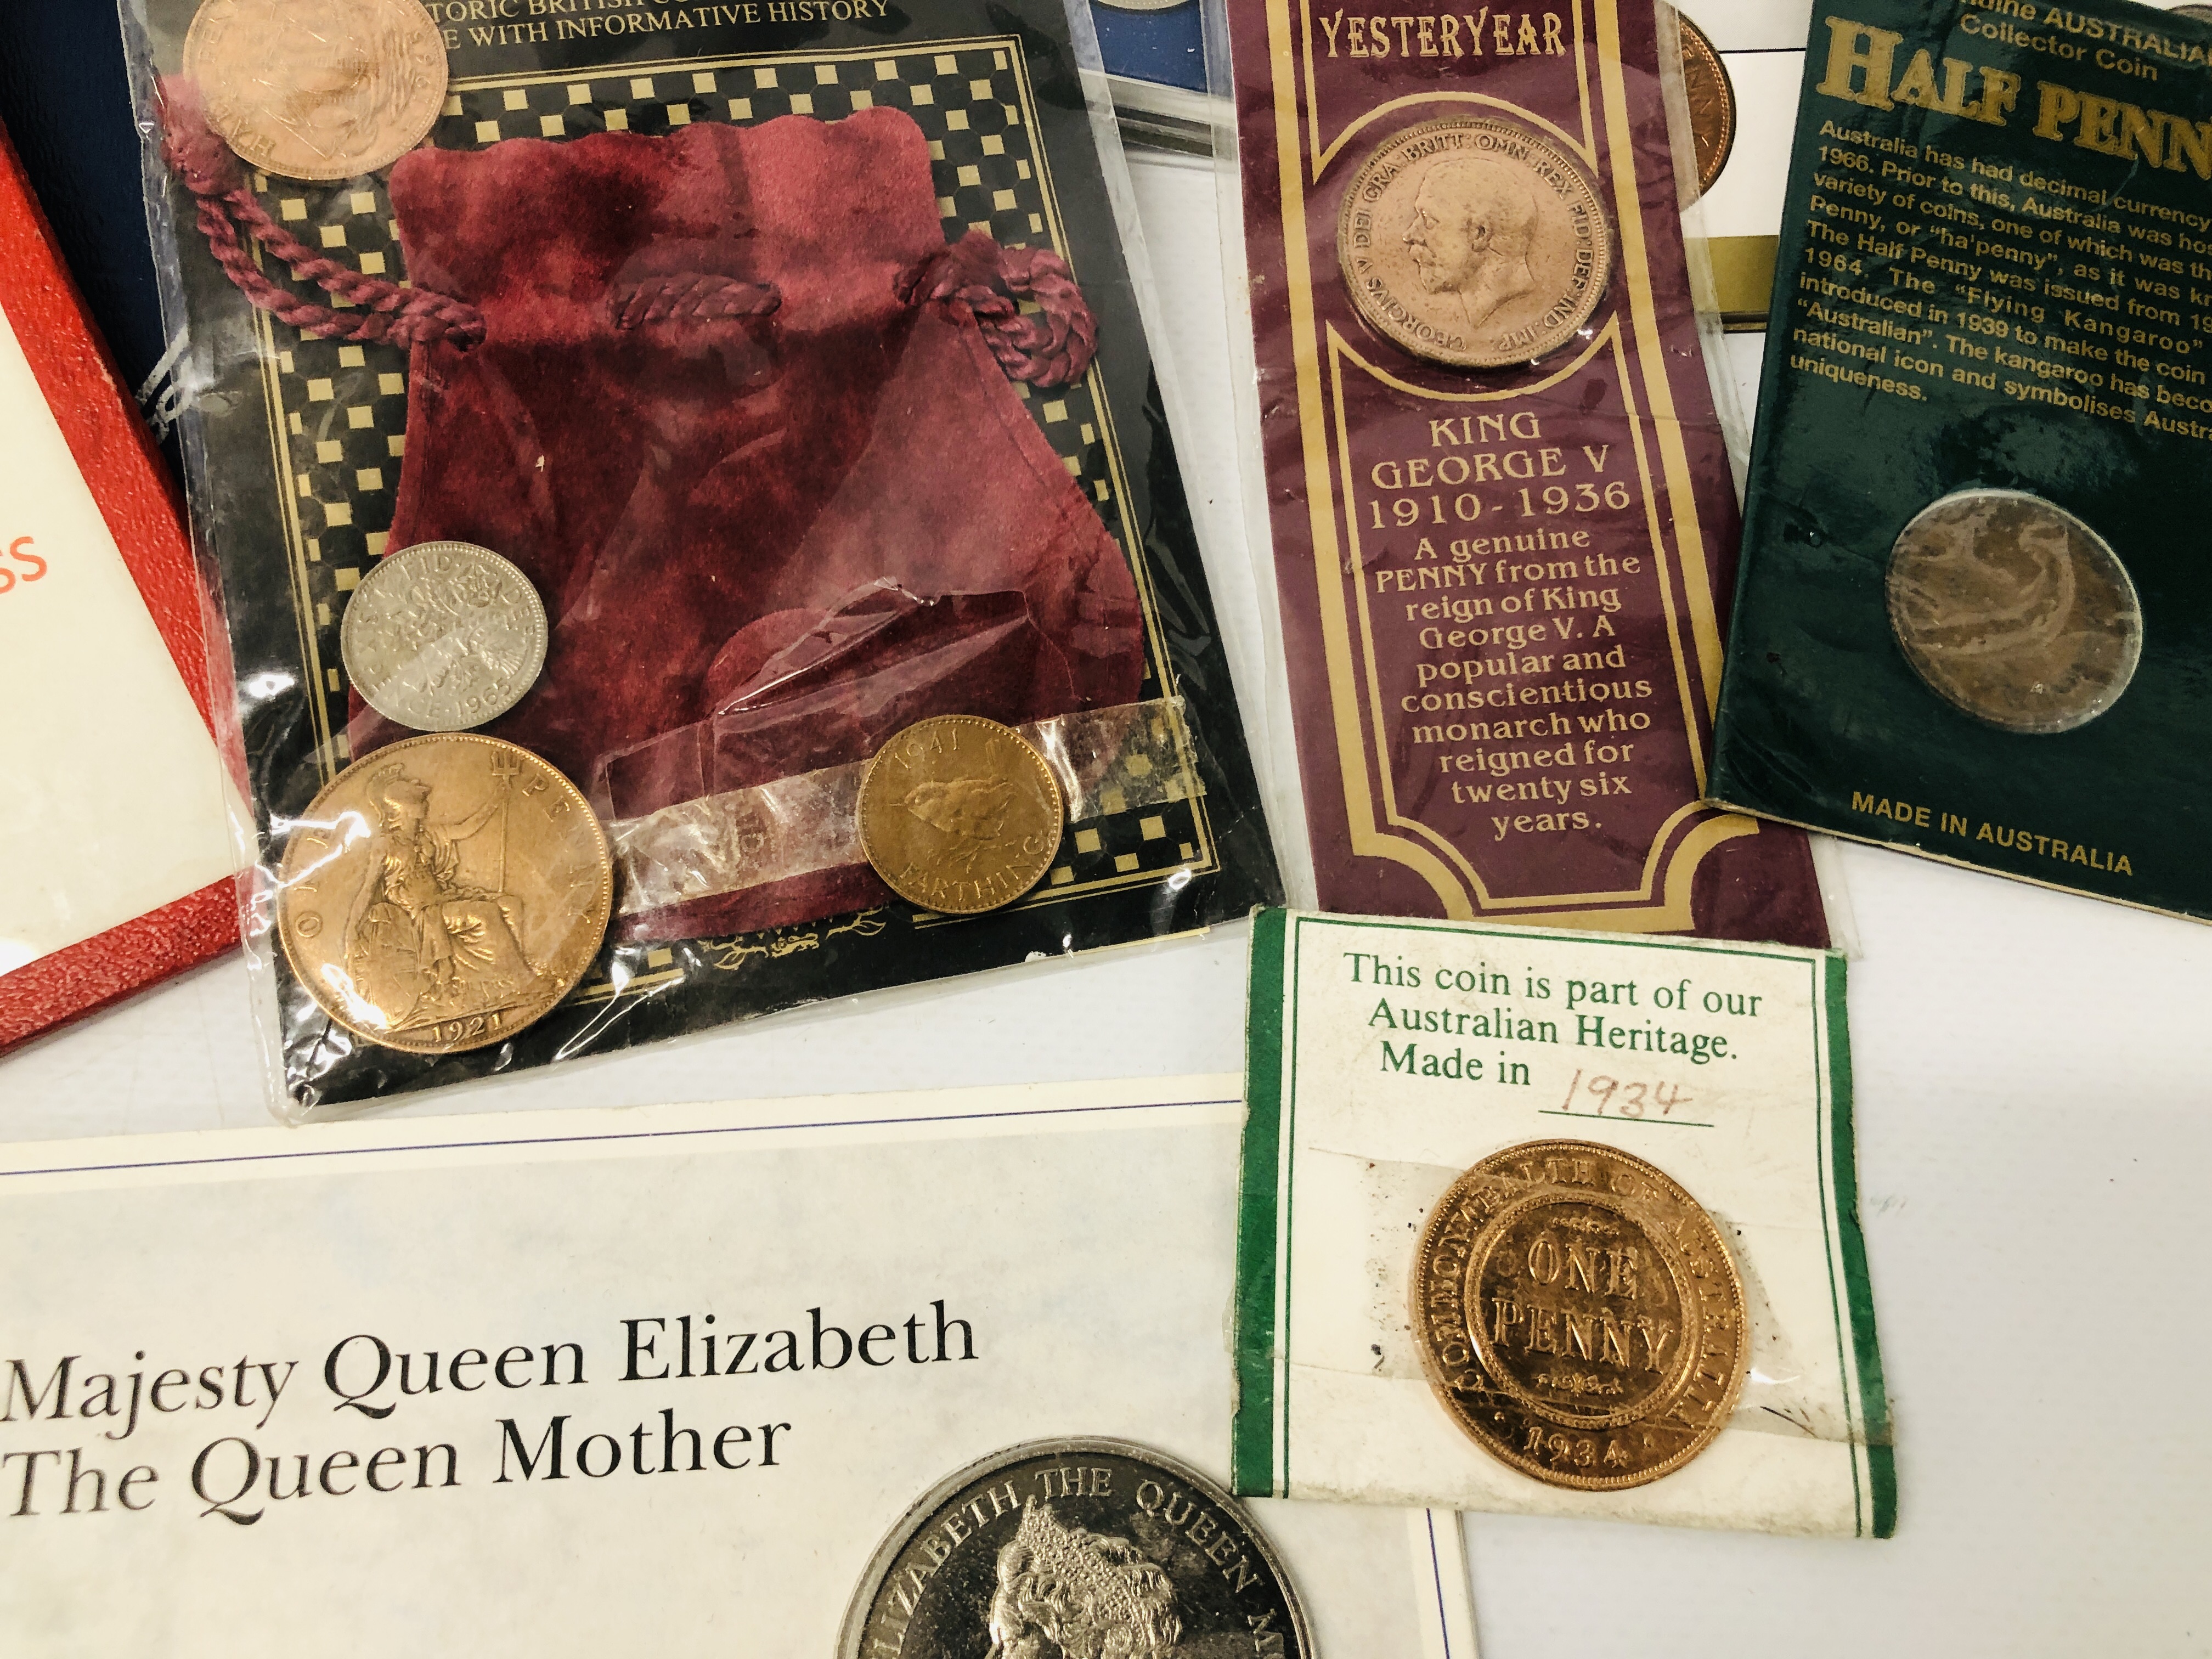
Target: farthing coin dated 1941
<point x="2014" y="611"/>
<point x="958" y="814"/>
<point x="1475" y="242"/>
<point x="1711" y="99"/>
<point x="444" y="893"/>
<point x="318" y="89"/>
<point x="1080" y="1547"/>
<point x="443" y="636"/>
<point x="1579" y="1314"/>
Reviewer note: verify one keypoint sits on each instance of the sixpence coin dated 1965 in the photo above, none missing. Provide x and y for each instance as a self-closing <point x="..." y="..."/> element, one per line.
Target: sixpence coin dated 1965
<point x="443" y="636"/>
<point x="443" y="893"/>
<point x="1078" y="1546"/>
<point x="318" y="89"/>
<point x="1474" y="241"/>
<point x="958" y="814"/>
<point x="1711" y="99"/>
<point x="2014" y="611"/>
<point x="1579" y="1315"/>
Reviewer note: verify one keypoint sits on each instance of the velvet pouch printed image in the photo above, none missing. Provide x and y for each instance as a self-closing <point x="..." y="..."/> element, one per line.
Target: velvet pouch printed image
<point x="801" y="373"/>
<point x="1972" y="619"/>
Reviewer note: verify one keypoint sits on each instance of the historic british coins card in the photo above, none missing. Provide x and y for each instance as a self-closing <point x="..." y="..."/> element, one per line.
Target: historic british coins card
<point x="1502" y="519"/>
<point x="1973" y="620"/>
<point x="693" y="1379"/>
<point x="1555" y="1224"/>
<point x="698" y="398"/>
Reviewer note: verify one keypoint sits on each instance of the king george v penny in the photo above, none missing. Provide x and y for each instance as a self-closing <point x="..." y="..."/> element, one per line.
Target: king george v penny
<point x="444" y="893"/>
<point x="1579" y="1315"/>
<point x="2014" y="611"/>
<point x="1074" y="1547"/>
<point x="1711" y="99"/>
<point x="1473" y="242"/>
<point x="443" y="636"/>
<point x="958" y="814"/>
<point x="318" y="89"/>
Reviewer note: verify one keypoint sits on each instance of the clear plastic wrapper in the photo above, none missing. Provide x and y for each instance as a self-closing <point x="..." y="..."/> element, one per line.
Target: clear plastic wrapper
<point x="794" y="358"/>
<point x="1495" y="499"/>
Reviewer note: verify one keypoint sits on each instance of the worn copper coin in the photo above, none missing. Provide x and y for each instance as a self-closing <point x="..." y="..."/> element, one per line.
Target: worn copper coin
<point x="1473" y="242"/>
<point x="958" y="814"/>
<point x="2014" y="611"/>
<point x="318" y="89"/>
<point x="1074" y="1549"/>
<point x="1712" y="100"/>
<point x="444" y="893"/>
<point x="443" y="636"/>
<point x="1579" y="1315"/>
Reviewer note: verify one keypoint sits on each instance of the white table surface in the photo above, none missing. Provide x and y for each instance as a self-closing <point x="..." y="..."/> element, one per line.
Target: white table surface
<point x="2033" y="1100"/>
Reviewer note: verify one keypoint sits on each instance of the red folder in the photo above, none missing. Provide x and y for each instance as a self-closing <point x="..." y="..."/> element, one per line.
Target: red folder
<point x="116" y="454"/>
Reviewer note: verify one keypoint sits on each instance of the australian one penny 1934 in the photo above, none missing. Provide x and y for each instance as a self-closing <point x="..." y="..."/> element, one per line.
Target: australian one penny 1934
<point x="443" y="893"/>
<point x="1074" y="1549"/>
<point x="318" y="89"/>
<point x="959" y="815"/>
<point x="1474" y="241"/>
<point x="1579" y="1315"/>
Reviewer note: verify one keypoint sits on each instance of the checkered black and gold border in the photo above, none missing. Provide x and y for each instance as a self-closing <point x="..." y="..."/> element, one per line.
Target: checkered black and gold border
<point x="338" y="412"/>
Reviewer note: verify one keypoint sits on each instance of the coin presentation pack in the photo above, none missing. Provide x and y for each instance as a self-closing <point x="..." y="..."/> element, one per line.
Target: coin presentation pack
<point x="118" y="874"/>
<point x="692" y="402"/>
<point x="1501" y="520"/>
<point x="1972" y="622"/>
<point x="745" y="1415"/>
<point x="1555" y="1223"/>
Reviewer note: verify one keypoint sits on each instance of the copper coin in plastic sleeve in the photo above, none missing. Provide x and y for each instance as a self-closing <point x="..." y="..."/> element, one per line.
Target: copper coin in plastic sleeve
<point x="443" y="636"/>
<point x="1074" y="1547"/>
<point x="959" y="814"/>
<point x="444" y="893"/>
<point x="1474" y="241"/>
<point x="2014" y="611"/>
<point x="318" y="89"/>
<point x="1579" y="1315"/>
<point x="1711" y="99"/>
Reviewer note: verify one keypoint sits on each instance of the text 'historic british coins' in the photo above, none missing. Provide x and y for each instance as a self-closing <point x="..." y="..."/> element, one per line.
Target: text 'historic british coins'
<point x="444" y="636"/>
<point x="318" y="89"/>
<point x="444" y="893"/>
<point x="1090" y="1547"/>
<point x="958" y="814"/>
<point x="1711" y="99"/>
<point x="2013" y="610"/>
<point x="1579" y="1314"/>
<point x="1473" y="242"/>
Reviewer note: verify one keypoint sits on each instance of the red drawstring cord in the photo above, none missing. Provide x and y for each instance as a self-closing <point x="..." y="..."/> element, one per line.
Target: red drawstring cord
<point x="388" y="312"/>
<point x="1050" y="347"/>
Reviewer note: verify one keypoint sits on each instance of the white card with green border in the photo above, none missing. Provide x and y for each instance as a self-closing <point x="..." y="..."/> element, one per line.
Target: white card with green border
<point x="1386" y="1057"/>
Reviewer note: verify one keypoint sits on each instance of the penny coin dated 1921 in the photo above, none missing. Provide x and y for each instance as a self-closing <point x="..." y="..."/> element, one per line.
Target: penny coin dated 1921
<point x="2014" y="611"/>
<point x="318" y="89"/>
<point x="1474" y="241"/>
<point x="443" y="636"/>
<point x="1712" y="100"/>
<point x="444" y="893"/>
<point x="1077" y="1546"/>
<point x="958" y="814"/>
<point x="1579" y="1315"/>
